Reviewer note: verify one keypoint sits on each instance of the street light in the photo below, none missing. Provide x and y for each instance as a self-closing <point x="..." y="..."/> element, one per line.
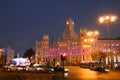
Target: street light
<point x="108" y="19"/>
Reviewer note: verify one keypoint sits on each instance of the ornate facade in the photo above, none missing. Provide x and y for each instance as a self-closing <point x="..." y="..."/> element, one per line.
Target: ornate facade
<point x="42" y="49"/>
<point x="77" y="49"/>
<point x="112" y="50"/>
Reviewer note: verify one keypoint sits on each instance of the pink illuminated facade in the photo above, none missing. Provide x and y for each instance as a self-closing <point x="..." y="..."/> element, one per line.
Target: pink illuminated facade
<point x="77" y="49"/>
<point x="113" y="49"/>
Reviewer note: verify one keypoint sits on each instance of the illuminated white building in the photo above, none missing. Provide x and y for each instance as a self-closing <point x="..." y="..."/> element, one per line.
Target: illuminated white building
<point x="21" y="61"/>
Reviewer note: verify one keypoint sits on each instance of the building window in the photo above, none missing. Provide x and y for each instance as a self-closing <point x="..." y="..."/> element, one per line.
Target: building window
<point x="108" y="44"/>
<point x="104" y="44"/>
<point x="117" y="44"/>
<point x="113" y="44"/>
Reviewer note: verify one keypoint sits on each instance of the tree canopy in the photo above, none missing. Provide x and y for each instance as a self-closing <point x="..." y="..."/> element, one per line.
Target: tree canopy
<point x="29" y="53"/>
<point x="98" y="56"/>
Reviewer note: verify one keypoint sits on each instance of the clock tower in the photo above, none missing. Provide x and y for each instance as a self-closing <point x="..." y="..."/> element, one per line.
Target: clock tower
<point x="69" y="32"/>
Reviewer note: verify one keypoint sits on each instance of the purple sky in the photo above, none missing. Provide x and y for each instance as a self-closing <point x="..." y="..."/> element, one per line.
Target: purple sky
<point x="22" y="22"/>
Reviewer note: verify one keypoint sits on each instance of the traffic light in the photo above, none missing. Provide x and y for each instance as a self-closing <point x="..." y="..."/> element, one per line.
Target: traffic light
<point x="63" y="57"/>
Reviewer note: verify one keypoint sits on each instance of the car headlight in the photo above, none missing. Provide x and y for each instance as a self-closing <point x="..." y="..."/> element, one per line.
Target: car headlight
<point x="66" y="69"/>
<point x="52" y="69"/>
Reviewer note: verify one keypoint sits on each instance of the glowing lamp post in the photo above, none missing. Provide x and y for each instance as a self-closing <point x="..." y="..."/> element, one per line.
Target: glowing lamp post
<point x="108" y="19"/>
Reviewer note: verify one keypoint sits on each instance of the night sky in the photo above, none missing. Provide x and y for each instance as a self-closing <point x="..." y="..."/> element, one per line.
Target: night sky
<point x="22" y="22"/>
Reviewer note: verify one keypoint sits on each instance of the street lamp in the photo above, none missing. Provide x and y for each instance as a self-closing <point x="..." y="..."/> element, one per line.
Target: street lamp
<point x="108" y="19"/>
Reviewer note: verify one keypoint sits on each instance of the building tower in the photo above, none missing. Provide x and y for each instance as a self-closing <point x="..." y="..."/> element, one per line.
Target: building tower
<point x="45" y="41"/>
<point x="42" y="48"/>
<point x="88" y="41"/>
<point x="69" y="32"/>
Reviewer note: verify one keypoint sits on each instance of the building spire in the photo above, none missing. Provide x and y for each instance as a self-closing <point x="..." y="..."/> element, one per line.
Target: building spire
<point x="69" y="32"/>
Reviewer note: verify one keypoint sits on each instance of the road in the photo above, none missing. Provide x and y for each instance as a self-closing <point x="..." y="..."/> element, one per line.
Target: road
<point x="77" y="73"/>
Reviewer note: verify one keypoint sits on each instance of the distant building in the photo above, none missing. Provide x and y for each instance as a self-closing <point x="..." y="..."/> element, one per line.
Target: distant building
<point x="6" y="55"/>
<point x="3" y="56"/>
<point x="10" y="54"/>
<point x="2" y="60"/>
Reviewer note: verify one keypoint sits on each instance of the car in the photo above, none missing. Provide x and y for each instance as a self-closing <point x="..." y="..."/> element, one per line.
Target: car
<point x="21" y="68"/>
<point x="11" y="68"/>
<point x="100" y="69"/>
<point x="40" y="68"/>
<point x="49" y="69"/>
<point x="44" y="68"/>
<point x="60" y="69"/>
<point x="30" y="68"/>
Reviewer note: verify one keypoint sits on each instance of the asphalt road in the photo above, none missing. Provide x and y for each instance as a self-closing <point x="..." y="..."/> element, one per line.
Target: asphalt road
<point x="23" y="75"/>
<point x="75" y="73"/>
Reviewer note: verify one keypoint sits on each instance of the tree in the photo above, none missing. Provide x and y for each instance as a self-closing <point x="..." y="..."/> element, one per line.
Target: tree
<point x="29" y="53"/>
<point x="98" y="56"/>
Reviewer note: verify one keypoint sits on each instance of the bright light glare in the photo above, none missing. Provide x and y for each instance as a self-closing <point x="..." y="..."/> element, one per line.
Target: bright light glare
<point x="64" y="54"/>
<point x="92" y="40"/>
<point x="107" y="18"/>
<point x="1" y="50"/>
<point x="89" y="33"/>
<point x="67" y="22"/>
<point x="113" y="18"/>
<point x="85" y="40"/>
<point x="101" y="19"/>
<point x="96" y="32"/>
